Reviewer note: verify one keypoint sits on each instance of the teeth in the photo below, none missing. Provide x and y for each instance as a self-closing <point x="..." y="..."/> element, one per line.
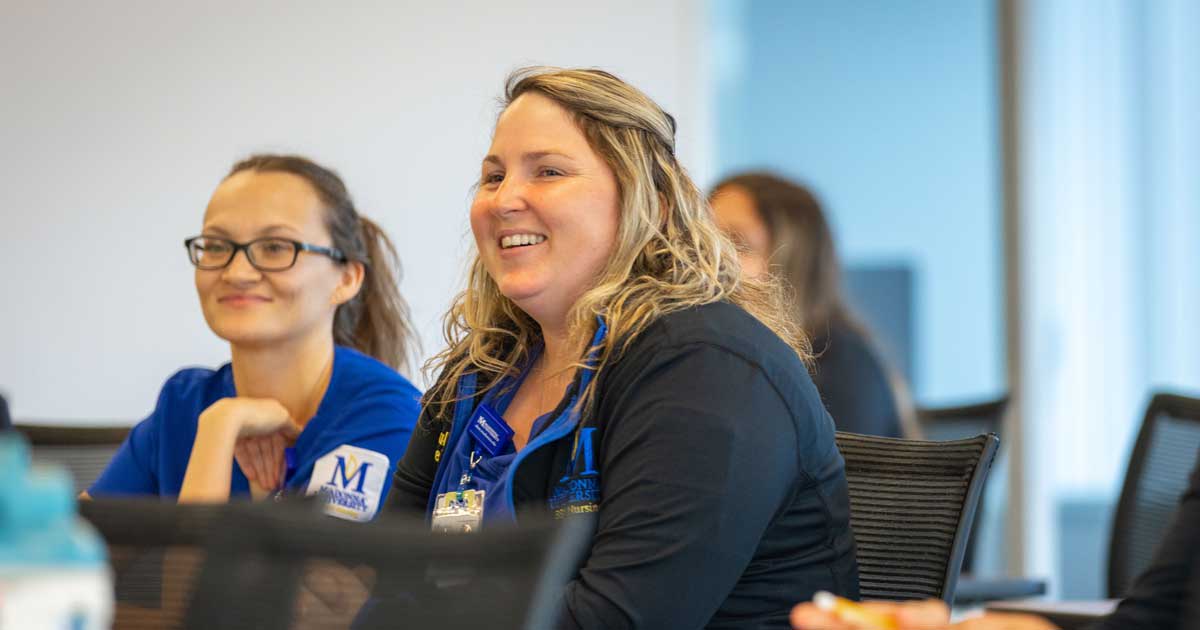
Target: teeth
<point x="517" y="240"/>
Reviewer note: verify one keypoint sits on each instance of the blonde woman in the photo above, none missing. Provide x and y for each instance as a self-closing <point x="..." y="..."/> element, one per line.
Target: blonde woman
<point x="608" y="357"/>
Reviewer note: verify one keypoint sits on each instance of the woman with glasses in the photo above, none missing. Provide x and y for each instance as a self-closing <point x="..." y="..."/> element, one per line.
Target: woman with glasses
<point x="304" y="290"/>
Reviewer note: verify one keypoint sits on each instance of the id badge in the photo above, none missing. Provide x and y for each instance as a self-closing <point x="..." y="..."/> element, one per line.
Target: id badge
<point x="458" y="517"/>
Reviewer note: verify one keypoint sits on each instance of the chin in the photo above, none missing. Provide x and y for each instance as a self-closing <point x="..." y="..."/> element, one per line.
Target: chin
<point x="246" y="335"/>
<point x="520" y="291"/>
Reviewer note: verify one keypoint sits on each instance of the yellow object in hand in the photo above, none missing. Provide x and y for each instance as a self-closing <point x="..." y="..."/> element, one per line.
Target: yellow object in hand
<point x="853" y="612"/>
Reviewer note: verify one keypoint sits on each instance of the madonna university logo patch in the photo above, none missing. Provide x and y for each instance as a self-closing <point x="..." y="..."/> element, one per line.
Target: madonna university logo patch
<point x="350" y="480"/>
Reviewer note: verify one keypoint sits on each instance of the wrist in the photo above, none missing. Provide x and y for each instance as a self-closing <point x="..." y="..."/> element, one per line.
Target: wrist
<point x="213" y="423"/>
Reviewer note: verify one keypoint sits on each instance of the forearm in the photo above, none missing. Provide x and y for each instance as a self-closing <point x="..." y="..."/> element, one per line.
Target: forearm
<point x="210" y="467"/>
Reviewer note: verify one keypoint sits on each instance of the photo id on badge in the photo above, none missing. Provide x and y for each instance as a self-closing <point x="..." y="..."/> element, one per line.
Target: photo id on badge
<point x="451" y="515"/>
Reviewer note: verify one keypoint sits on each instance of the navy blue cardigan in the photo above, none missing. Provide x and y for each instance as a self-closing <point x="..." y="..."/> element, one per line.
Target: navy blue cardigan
<point x="722" y="496"/>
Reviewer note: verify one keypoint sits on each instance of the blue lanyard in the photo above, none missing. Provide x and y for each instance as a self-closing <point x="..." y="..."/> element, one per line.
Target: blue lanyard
<point x="488" y="431"/>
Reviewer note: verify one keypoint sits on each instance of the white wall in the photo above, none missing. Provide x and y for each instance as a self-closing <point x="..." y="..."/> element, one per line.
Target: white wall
<point x="119" y="119"/>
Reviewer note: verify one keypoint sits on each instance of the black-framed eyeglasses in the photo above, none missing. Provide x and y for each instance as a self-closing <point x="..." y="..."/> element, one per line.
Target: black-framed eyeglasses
<point x="269" y="253"/>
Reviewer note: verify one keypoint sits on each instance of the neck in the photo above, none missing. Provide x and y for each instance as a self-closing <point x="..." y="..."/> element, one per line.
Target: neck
<point x="295" y="373"/>
<point x="557" y="356"/>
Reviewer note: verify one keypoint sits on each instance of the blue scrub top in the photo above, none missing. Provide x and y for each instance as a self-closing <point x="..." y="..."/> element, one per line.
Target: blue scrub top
<point x="346" y="453"/>
<point x="489" y="473"/>
<point x="494" y="475"/>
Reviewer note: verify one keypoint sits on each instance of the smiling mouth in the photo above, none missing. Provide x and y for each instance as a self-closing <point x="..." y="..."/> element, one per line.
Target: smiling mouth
<point x="521" y="240"/>
<point x="242" y="299"/>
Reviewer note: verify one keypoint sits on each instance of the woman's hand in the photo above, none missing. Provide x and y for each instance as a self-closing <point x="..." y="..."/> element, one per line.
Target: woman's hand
<point x="261" y="459"/>
<point x="249" y="417"/>
<point x="925" y="615"/>
<point x="219" y="429"/>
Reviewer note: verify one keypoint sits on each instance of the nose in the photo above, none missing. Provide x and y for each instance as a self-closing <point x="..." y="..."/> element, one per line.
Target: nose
<point x="509" y="197"/>
<point x="239" y="270"/>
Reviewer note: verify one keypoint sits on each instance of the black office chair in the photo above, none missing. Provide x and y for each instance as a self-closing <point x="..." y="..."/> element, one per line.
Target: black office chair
<point x="286" y="565"/>
<point x="84" y="451"/>
<point x="963" y="421"/>
<point x="1162" y="458"/>
<point x="408" y="577"/>
<point x="155" y="549"/>
<point x="912" y="504"/>
<point x="960" y="422"/>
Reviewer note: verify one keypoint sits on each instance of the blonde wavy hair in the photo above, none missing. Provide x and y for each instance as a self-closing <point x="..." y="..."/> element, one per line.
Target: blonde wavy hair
<point x="669" y="254"/>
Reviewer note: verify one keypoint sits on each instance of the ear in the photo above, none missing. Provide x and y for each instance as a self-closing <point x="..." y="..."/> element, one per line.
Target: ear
<point x="350" y="283"/>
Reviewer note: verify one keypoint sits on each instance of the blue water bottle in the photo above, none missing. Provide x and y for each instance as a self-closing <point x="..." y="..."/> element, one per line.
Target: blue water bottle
<point x="54" y="571"/>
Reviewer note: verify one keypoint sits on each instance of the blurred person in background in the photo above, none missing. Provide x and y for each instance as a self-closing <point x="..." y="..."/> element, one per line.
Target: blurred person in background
<point x="5" y="419"/>
<point x="780" y="229"/>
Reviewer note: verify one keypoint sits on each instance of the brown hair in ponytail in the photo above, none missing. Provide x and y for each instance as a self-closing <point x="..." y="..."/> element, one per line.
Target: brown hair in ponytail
<point x="375" y="322"/>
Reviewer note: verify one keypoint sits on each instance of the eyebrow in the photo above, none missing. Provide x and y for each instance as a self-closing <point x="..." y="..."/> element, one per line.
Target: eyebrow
<point x="528" y="157"/>
<point x="270" y="229"/>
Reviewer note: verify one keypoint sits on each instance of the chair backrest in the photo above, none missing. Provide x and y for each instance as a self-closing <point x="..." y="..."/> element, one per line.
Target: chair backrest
<point x="84" y="451"/>
<point x="912" y="504"/>
<point x="155" y="549"/>
<point x="1159" y="467"/>
<point x="286" y="565"/>
<point x="960" y="422"/>
<point x="963" y="421"/>
<point x="393" y="573"/>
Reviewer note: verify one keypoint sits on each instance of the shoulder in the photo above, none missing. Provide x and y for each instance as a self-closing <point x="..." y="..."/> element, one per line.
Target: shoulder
<point x="195" y="385"/>
<point x="726" y="328"/>
<point x="183" y="396"/>
<point x="716" y="370"/>
<point x="704" y="342"/>
<point x="357" y="377"/>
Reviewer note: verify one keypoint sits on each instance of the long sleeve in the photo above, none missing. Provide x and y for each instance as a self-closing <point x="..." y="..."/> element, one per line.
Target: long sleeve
<point x="415" y="473"/>
<point x="699" y="458"/>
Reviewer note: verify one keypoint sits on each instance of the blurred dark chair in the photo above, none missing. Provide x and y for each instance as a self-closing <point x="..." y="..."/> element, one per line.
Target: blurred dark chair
<point x="285" y="565"/>
<point x="84" y="451"/>
<point x="1162" y="459"/>
<point x="5" y="418"/>
<point x="912" y="504"/>
<point x="268" y="564"/>
<point x="156" y="549"/>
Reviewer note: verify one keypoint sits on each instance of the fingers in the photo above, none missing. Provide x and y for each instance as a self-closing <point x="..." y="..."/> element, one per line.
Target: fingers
<point x="290" y="430"/>
<point x="262" y="465"/>
<point x="277" y="444"/>
<point x="241" y="454"/>
<point x="1001" y="621"/>
<point x="923" y="615"/>
<point x="809" y="617"/>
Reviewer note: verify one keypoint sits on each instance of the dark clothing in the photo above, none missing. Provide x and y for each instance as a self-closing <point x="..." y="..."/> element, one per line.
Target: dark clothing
<point x="720" y="493"/>
<point x="1166" y="595"/>
<point x="5" y="419"/>
<point x="853" y="383"/>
